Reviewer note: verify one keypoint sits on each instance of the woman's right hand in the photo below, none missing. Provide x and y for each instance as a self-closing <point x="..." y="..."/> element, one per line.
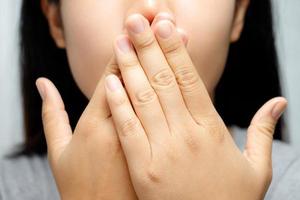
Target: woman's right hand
<point x="88" y="164"/>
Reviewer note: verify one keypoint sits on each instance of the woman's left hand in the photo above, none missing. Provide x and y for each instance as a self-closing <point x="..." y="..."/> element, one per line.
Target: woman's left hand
<point x="176" y="144"/>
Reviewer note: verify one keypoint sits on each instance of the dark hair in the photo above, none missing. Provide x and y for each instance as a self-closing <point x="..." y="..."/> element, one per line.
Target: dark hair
<point x="250" y="78"/>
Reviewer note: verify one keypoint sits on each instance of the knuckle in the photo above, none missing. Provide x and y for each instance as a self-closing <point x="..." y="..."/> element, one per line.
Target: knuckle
<point x="216" y="129"/>
<point x="186" y="79"/>
<point x="145" y="97"/>
<point x="173" y="48"/>
<point x="206" y="120"/>
<point x="191" y="137"/>
<point x="47" y="115"/>
<point x="146" y="42"/>
<point x="163" y="79"/>
<point x="150" y="177"/>
<point x="119" y="100"/>
<point x="113" y="68"/>
<point x="129" y="126"/>
<point x="192" y="142"/>
<point x="52" y="117"/>
<point x="266" y="129"/>
<point x="218" y="133"/>
<point x="128" y="63"/>
<point x="153" y="176"/>
<point x="172" y="153"/>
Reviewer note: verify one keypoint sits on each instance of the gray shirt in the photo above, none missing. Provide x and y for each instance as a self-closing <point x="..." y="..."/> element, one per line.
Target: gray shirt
<point x="30" y="178"/>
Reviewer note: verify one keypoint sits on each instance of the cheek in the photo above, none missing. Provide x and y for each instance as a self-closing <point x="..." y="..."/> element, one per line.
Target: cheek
<point x="208" y="24"/>
<point x="89" y="36"/>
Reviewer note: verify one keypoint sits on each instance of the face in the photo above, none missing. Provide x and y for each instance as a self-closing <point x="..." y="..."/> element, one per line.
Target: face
<point x="89" y="27"/>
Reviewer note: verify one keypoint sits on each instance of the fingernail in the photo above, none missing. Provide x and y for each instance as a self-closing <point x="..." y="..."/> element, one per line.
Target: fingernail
<point x="113" y="83"/>
<point x="164" y="29"/>
<point x="136" y="24"/>
<point x="41" y="89"/>
<point x="124" y="45"/>
<point x="163" y="16"/>
<point x="278" y="110"/>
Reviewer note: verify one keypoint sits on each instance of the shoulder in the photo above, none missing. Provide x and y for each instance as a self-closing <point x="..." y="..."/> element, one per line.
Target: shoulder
<point x="286" y="168"/>
<point x="27" y="178"/>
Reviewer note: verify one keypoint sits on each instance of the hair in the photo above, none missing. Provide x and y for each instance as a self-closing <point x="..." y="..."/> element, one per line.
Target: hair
<point x="250" y="78"/>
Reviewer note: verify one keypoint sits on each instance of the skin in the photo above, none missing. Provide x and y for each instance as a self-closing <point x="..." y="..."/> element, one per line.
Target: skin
<point x="135" y="141"/>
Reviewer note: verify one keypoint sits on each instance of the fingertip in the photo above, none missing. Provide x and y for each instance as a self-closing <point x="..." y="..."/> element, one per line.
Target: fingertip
<point x="272" y="109"/>
<point x="49" y="93"/>
<point x="164" y="16"/>
<point x="113" y="83"/>
<point x="279" y="107"/>
<point x="41" y="87"/>
<point x="183" y="35"/>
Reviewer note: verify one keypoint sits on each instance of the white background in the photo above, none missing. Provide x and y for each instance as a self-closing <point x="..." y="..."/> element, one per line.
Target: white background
<point x="287" y="22"/>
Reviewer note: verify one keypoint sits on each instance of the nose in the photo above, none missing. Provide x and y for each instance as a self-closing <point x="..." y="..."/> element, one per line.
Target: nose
<point x="149" y="8"/>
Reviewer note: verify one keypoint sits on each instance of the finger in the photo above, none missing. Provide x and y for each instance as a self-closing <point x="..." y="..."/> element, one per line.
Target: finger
<point x="132" y="136"/>
<point x="183" y="36"/>
<point x="170" y="17"/>
<point x="164" y="16"/>
<point x="142" y="95"/>
<point x="98" y="106"/>
<point x="258" y="148"/>
<point x="157" y="69"/>
<point x="56" y="124"/>
<point x="193" y="90"/>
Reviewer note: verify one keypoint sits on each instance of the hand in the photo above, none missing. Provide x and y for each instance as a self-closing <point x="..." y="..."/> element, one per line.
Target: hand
<point x="175" y="143"/>
<point x="89" y="164"/>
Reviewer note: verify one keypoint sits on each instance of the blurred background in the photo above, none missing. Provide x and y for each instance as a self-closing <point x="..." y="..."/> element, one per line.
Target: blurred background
<point x="287" y="25"/>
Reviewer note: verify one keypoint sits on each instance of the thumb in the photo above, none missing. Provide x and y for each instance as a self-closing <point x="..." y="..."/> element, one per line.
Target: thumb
<point x="258" y="149"/>
<point x="56" y="124"/>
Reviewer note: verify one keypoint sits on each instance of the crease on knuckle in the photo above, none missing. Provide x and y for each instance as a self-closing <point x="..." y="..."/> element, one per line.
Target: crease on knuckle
<point x="112" y="69"/>
<point x="187" y="79"/>
<point x="192" y="143"/>
<point x="146" y="42"/>
<point x="172" y="154"/>
<point x="53" y="117"/>
<point x="218" y="134"/>
<point x="215" y="128"/>
<point x="145" y="97"/>
<point x="266" y="129"/>
<point x="206" y="120"/>
<point x="173" y="48"/>
<point x="153" y="176"/>
<point x="164" y="79"/>
<point x="130" y="63"/>
<point x="119" y="100"/>
<point x="129" y="126"/>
